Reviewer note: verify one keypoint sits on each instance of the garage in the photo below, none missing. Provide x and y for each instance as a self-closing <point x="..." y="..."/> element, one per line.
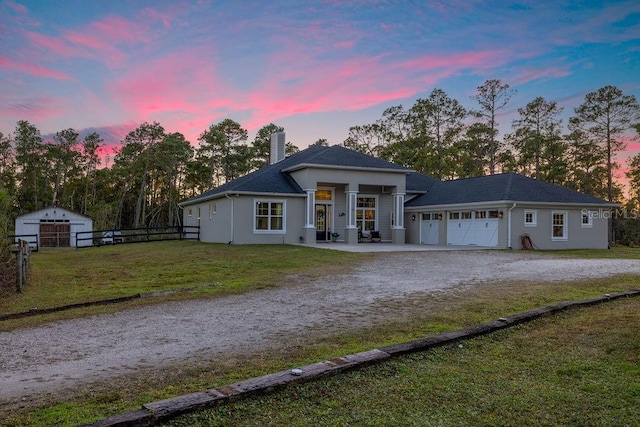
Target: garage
<point x="473" y="228"/>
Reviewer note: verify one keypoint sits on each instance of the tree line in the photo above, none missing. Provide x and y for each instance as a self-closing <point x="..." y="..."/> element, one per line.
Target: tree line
<point x="152" y="170"/>
<point x="438" y="136"/>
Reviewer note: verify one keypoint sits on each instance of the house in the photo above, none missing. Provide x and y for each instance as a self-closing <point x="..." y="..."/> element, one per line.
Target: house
<point x="320" y="191"/>
<point x="53" y="227"/>
<point x="305" y="198"/>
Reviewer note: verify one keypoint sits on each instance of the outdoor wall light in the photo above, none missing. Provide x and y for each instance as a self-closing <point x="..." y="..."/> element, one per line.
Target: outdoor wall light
<point x="500" y="214"/>
<point x="342" y="214"/>
<point x="413" y="217"/>
<point x="439" y="217"/>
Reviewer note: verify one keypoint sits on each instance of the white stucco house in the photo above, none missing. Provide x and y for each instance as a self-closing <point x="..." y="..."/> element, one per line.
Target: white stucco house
<point x="320" y="191"/>
<point x="53" y="226"/>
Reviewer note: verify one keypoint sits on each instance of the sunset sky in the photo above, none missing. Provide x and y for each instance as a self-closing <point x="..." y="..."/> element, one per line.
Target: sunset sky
<point x="314" y="67"/>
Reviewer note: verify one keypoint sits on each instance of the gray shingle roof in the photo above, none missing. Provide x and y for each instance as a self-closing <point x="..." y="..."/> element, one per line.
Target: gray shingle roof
<point x="419" y="183"/>
<point x="337" y="155"/>
<point x="492" y="188"/>
<point x="275" y="179"/>
<point x="501" y="187"/>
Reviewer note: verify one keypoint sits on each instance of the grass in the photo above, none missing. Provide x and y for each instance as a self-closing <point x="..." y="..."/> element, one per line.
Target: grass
<point x="68" y="276"/>
<point x="619" y="251"/>
<point x="578" y="368"/>
<point x="242" y="268"/>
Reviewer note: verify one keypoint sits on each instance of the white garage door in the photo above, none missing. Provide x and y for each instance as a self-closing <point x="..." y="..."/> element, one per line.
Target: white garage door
<point x="429" y="225"/>
<point x="478" y="228"/>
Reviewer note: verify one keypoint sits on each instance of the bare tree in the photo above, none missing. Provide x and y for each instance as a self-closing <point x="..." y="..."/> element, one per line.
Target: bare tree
<point x="493" y="96"/>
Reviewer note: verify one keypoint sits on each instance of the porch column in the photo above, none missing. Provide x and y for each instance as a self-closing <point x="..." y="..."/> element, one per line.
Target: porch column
<point x="310" y="211"/>
<point x="397" y="229"/>
<point x="351" y="229"/>
<point x="309" y="235"/>
<point x="352" y="199"/>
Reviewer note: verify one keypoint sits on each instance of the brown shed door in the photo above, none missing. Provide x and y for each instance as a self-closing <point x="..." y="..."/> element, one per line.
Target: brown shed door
<point x="55" y="235"/>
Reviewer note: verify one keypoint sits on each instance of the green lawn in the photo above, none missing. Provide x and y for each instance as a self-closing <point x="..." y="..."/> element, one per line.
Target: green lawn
<point x="68" y="276"/>
<point x="580" y="368"/>
<point x="495" y="373"/>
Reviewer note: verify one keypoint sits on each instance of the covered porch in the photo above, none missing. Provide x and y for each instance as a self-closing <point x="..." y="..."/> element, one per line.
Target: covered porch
<point x="354" y="214"/>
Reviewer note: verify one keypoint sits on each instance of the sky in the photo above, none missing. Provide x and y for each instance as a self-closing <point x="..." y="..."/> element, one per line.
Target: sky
<point x="314" y="67"/>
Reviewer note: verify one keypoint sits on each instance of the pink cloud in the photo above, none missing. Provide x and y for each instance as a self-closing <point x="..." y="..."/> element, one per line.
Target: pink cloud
<point x="105" y="40"/>
<point x="456" y="62"/>
<point x="353" y="84"/>
<point x="56" y="45"/>
<point x="16" y="7"/>
<point x="82" y="44"/>
<point x="96" y="47"/>
<point x="349" y="44"/>
<point x="181" y="91"/>
<point x="156" y="16"/>
<point x="34" y="109"/>
<point x="531" y="74"/>
<point x="112" y="135"/>
<point x="117" y="29"/>
<point x="35" y="70"/>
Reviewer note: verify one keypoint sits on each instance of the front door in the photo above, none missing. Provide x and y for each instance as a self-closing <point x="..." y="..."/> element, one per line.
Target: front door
<point x="323" y="222"/>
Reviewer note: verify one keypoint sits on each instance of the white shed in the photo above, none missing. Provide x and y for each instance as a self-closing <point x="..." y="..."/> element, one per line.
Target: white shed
<point x="54" y="227"/>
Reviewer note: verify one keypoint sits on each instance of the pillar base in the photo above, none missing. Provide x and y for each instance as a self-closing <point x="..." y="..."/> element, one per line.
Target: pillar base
<point x="309" y="235"/>
<point x="351" y="236"/>
<point x="397" y="236"/>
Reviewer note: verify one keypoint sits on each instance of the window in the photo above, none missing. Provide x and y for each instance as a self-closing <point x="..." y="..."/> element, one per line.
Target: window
<point x="426" y="217"/>
<point x="558" y="226"/>
<point x="481" y="214"/>
<point x="494" y="214"/>
<point x="587" y="219"/>
<point x="324" y="195"/>
<point x="212" y="210"/>
<point x="269" y="216"/>
<point x="530" y="218"/>
<point x="466" y="215"/>
<point x="366" y="213"/>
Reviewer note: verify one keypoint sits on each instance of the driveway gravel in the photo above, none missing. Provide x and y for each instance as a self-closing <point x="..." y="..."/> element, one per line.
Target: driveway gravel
<point x="65" y="354"/>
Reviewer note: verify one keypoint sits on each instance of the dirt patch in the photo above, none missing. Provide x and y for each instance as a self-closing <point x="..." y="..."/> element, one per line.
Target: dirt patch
<point x="72" y="353"/>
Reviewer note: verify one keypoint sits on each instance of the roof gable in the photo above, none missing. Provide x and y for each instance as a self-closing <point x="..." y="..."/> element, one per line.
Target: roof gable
<point x="341" y="157"/>
<point x="53" y="208"/>
<point x="276" y="179"/>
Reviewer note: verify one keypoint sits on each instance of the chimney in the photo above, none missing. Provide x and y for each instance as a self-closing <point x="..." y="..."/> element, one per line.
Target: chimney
<point x="278" y="145"/>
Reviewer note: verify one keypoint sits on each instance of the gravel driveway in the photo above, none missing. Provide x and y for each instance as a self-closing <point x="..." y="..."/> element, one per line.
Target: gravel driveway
<point x="67" y="353"/>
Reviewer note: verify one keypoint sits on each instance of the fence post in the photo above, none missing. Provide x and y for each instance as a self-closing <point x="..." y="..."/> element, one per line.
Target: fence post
<point x="22" y="264"/>
<point x="18" y="269"/>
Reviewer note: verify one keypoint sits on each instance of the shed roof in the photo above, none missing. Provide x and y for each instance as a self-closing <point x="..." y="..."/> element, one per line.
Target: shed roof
<point x="49" y="208"/>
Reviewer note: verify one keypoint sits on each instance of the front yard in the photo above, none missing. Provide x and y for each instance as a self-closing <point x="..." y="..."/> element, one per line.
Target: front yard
<point x="493" y="377"/>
